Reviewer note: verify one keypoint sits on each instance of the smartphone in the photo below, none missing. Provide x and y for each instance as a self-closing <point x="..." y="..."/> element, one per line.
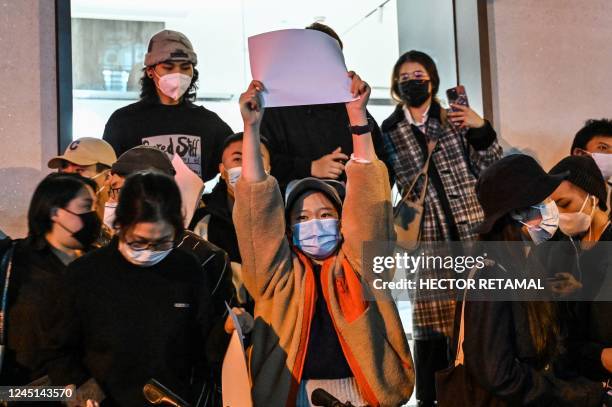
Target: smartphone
<point x="457" y="96"/>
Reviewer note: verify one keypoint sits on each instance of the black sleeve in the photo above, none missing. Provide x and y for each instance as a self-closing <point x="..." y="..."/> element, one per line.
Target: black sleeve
<point x="65" y="340"/>
<point x="481" y="138"/>
<point x="114" y="133"/>
<point x="491" y="358"/>
<point x="212" y="311"/>
<point x="583" y="351"/>
<point x="379" y="148"/>
<point x="285" y="167"/>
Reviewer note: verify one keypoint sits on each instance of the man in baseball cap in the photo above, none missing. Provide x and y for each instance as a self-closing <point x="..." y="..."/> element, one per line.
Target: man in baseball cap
<point x="92" y="158"/>
<point x="87" y="156"/>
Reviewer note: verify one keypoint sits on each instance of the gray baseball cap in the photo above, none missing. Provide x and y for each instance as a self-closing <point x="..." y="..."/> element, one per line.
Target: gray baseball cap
<point x="168" y="45"/>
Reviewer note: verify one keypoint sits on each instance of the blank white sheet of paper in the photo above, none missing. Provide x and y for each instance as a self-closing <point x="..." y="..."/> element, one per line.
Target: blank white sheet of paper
<point x="299" y="67"/>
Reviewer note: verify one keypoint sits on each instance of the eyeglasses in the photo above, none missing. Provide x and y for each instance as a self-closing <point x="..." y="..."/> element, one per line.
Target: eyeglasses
<point x="159" y="247"/>
<point x="417" y="75"/>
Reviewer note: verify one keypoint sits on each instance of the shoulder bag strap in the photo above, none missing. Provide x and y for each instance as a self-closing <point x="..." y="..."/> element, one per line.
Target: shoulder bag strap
<point x="431" y="146"/>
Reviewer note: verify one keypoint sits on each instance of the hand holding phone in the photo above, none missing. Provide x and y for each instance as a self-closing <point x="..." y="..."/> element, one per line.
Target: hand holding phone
<point x="461" y="115"/>
<point x="457" y="96"/>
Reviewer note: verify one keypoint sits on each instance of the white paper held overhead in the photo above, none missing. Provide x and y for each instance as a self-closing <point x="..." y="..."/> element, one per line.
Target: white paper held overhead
<point x="299" y="67"/>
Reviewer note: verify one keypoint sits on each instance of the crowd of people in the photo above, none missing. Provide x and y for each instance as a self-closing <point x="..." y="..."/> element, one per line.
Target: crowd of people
<point x="114" y="287"/>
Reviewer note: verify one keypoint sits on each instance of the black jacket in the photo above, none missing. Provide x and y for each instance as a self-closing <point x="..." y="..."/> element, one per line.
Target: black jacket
<point x="123" y="325"/>
<point x="221" y="230"/>
<point x="500" y="358"/>
<point x="192" y="131"/>
<point x="299" y="135"/>
<point x="590" y="323"/>
<point x="33" y="311"/>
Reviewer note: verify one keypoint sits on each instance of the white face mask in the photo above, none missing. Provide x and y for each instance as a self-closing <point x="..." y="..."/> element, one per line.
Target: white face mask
<point x="604" y="162"/>
<point x="232" y="176"/>
<point x="109" y="214"/>
<point x="574" y="223"/>
<point x="174" y="85"/>
<point x="142" y="258"/>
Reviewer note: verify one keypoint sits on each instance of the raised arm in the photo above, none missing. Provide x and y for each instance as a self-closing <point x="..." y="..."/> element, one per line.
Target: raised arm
<point x="252" y="112"/>
<point x="367" y="209"/>
<point x="259" y="214"/>
<point x="363" y="147"/>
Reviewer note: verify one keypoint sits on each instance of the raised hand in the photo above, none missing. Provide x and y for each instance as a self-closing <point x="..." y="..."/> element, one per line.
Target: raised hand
<point x="360" y="90"/>
<point x="251" y="104"/>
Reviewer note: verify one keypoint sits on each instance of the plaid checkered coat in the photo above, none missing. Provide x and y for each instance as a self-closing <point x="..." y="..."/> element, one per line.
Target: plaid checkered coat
<point x="460" y="156"/>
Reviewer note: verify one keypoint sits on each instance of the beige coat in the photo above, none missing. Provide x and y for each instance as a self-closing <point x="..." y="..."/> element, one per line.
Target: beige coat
<point x="282" y="283"/>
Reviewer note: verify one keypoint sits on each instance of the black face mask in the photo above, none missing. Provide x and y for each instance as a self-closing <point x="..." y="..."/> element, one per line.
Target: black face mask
<point x="414" y="92"/>
<point x="90" y="230"/>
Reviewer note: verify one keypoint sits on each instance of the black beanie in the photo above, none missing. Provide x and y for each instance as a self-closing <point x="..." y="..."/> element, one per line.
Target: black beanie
<point x="585" y="174"/>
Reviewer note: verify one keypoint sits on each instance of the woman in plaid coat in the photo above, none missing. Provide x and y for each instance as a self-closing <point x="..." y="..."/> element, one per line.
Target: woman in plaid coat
<point x="466" y="145"/>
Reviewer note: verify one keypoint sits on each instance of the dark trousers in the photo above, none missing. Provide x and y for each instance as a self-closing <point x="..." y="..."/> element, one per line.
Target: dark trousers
<point x="430" y="355"/>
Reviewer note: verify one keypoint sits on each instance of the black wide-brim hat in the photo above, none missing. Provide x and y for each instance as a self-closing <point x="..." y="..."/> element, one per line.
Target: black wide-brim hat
<point x="513" y="182"/>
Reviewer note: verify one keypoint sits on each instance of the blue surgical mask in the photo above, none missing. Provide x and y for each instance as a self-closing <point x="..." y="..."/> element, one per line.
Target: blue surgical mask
<point x="548" y="225"/>
<point x="317" y="238"/>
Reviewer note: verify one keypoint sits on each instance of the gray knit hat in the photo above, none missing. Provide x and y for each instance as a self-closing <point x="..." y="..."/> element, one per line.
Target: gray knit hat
<point x="168" y="45"/>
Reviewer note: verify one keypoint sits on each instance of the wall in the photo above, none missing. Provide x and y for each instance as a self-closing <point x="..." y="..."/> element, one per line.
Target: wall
<point x="428" y="26"/>
<point x="28" y="117"/>
<point x="550" y="63"/>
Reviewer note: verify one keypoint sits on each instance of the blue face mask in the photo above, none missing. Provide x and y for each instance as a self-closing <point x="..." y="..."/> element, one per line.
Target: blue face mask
<point x="317" y="238"/>
<point x="548" y="225"/>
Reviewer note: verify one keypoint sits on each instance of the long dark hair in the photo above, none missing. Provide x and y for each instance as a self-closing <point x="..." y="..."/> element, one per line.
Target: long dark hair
<point x="148" y="90"/>
<point x="542" y="315"/>
<point x="421" y="58"/>
<point x="149" y="196"/>
<point x="54" y="191"/>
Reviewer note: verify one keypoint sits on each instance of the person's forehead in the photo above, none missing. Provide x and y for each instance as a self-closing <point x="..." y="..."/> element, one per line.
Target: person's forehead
<point x="233" y="147"/>
<point x="411" y="67"/>
<point x="313" y="200"/>
<point x="567" y="190"/>
<point x="154" y="229"/>
<point x="602" y="138"/>
<point x="117" y="178"/>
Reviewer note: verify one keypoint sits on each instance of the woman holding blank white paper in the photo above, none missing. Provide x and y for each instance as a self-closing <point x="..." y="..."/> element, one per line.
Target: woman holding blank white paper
<point x="302" y="265"/>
